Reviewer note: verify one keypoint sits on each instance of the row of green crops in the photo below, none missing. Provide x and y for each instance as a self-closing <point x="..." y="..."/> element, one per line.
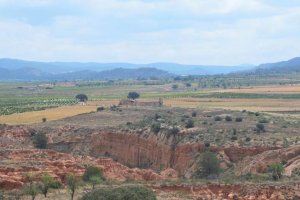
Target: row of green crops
<point x="10" y="106"/>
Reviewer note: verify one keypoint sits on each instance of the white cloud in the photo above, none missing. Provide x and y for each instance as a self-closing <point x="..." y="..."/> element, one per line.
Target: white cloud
<point x="186" y="31"/>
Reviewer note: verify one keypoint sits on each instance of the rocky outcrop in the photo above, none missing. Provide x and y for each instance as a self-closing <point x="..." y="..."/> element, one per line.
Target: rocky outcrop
<point x="260" y="163"/>
<point x="16" y="164"/>
<point x="155" y="152"/>
<point x="14" y="136"/>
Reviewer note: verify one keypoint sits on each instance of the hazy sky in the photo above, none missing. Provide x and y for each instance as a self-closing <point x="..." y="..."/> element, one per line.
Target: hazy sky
<point x="186" y="31"/>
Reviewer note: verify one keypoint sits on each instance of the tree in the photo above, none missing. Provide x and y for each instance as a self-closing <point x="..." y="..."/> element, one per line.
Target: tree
<point x="175" y="87"/>
<point x="72" y="183"/>
<point x="32" y="189"/>
<point x="208" y="165"/>
<point x="188" y="85"/>
<point x="81" y="97"/>
<point x="40" y="140"/>
<point x="133" y="95"/>
<point x="93" y="175"/>
<point x="47" y="183"/>
<point x="276" y="169"/>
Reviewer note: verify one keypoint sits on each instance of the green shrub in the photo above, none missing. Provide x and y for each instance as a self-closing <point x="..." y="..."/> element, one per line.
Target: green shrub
<point x="133" y="95"/>
<point x="92" y="171"/>
<point x="81" y="97"/>
<point x="276" y="170"/>
<point x="233" y="138"/>
<point x="121" y="193"/>
<point x="208" y="165"/>
<point x="228" y="118"/>
<point x="194" y="114"/>
<point x="189" y="123"/>
<point x="239" y="119"/>
<point x="99" y="109"/>
<point x="155" y="127"/>
<point x="174" y="87"/>
<point x="40" y="140"/>
<point x="44" y="119"/>
<point x="263" y="120"/>
<point x="260" y="127"/>
<point x="218" y="118"/>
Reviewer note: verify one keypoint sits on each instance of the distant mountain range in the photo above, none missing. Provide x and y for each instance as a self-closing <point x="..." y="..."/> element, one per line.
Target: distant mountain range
<point x="290" y="66"/>
<point x="13" y="69"/>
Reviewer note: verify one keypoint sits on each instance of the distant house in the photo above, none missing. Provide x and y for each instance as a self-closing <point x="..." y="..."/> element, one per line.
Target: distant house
<point x="130" y="102"/>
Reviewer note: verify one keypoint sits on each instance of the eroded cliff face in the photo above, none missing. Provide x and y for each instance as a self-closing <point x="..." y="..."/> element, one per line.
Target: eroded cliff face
<point x="259" y="163"/>
<point x="16" y="164"/>
<point x="155" y="152"/>
<point x="18" y="157"/>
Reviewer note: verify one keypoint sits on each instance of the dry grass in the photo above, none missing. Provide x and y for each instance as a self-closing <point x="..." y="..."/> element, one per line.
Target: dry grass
<point x="273" y="89"/>
<point x="49" y="114"/>
<point x="237" y="104"/>
<point x="52" y="114"/>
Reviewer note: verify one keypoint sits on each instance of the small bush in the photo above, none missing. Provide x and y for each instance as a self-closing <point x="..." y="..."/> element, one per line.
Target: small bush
<point x="208" y="165"/>
<point x="157" y="116"/>
<point x="91" y="171"/>
<point x="218" y="118"/>
<point x="173" y="131"/>
<point x="239" y="119"/>
<point x="188" y="85"/>
<point x="260" y="127"/>
<point x="175" y="87"/>
<point x="44" y="120"/>
<point x="207" y="144"/>
<point x="40" y="140"/>
<point x="114" y="108"/>
<point x="234" y="138"/>
<point x="99" y="109"/>
<point x="248" y="139"/>
<point x="263" y="120"/>
<point x="276" y="170"/>
<point x="121" y="193"/>
<point x="155" y="127"/>
<point x="189" y="123"/>
<point x="234" y="131"/>
<point x="228" y="118"/>
<point x="93" y="175"/>
<point x="194" y="114"/>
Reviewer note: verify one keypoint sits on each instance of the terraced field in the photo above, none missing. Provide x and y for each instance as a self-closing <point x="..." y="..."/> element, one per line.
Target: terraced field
<point x="31" y="103"/>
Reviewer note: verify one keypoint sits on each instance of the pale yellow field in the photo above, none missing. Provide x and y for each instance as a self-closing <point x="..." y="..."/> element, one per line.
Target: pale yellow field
<point x="284" y="89"/>
<point x="52" y="114"/>
<point x="237" y="104"/>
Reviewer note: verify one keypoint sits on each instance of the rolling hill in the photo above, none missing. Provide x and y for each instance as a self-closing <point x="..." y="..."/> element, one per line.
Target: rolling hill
<point x="290" y="66"/>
